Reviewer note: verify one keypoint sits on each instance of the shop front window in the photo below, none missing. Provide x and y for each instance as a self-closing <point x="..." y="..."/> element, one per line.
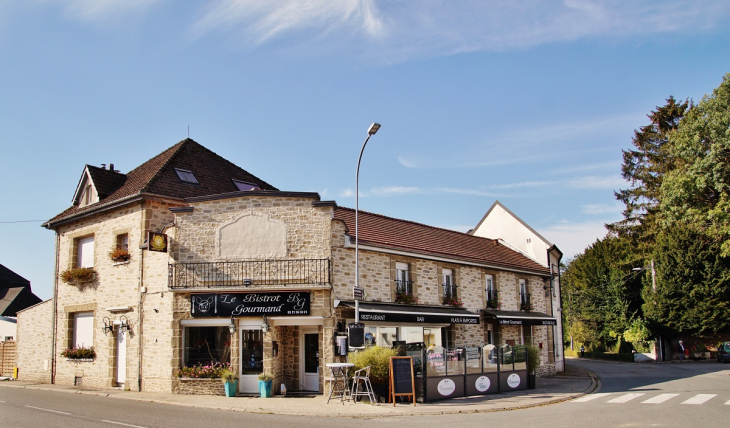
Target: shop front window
<point x="206" y="346"/>
<point x="252" y="352"/>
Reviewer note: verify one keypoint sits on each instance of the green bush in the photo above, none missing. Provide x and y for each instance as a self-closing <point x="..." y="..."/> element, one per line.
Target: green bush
<point x="378" y="358"/>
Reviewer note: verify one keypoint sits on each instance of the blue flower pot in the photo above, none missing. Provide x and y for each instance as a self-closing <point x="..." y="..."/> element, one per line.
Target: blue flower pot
<point x="231" y="388"/>
<point x="265" y="388"/>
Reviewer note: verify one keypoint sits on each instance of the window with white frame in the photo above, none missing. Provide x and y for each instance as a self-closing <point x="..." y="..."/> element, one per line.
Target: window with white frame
<point x="448" y="284"/>
<point x="403" y="283"/>
<point x="524" y="295"/>
<point x="83" y="330"/>
<point x="490" y="292"/>
<point x="85" y="252"/>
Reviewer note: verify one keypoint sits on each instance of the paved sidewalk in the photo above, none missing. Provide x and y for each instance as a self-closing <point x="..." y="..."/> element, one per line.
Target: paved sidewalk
<point x="574" y="383"/>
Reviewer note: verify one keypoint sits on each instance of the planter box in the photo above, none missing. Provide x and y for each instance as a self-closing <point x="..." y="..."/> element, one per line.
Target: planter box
<point x="201" y="386"/>
<point x="231" y="388"/>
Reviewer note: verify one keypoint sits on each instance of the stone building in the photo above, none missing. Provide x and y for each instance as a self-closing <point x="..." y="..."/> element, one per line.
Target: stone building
<point x="221" y="267"/>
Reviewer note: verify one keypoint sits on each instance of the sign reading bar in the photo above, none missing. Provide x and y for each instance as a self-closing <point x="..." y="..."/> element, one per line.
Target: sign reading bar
<point x="250" y="304"/>
<point x="416" y="318"/>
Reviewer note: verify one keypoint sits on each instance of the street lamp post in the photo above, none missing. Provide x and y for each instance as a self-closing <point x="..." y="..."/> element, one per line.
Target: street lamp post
<point x="371" y="131"/>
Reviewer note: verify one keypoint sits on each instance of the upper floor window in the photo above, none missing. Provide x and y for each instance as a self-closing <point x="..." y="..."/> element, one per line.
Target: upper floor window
<point x="524" y="296"/>
<point x="87" y="194"/>
<point x="243" y="186"/>
<point x="403" y="284"/>
<point x="123" y="241"/>
<point x="85" y="251"/>
<point x="448" y="284"/>
<point x="491" y="292"/>
<point x="186" y="176"/>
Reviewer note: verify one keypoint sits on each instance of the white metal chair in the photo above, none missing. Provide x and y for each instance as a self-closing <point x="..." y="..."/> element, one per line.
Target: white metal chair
<point x="362" y="375"/>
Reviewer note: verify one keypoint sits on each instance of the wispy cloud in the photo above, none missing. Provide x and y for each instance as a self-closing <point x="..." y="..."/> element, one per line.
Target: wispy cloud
<point x="435" y="27"/>
<point x="574" y="238"/>
<point x="394" y="191"/>
<point x="525" y="145"/>
<point x="525" y="184"/>
<point x="96" y="11"/>
<point x="602" y="208"/>
<point x="597" y="182"/>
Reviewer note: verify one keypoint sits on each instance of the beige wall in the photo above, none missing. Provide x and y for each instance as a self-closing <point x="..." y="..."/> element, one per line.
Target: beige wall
<point x="35" y="326"/>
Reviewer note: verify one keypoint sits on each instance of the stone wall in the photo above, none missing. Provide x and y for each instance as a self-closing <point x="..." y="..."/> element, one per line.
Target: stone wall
<point x="195" y="386"/>
<point x="35" y="326"/>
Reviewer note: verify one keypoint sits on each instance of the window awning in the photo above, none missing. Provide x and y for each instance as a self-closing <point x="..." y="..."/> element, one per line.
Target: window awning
<point x="519" y="317"/>
<point x="388" y="312"/>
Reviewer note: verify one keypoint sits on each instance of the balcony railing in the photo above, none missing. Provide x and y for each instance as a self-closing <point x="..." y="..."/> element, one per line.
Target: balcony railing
<point x="449" y="291"/>
<point x="525" y="304"/>
<point x="249" y="273"/>
<point x="403" y="287"/>
<point x="493" y="299"/>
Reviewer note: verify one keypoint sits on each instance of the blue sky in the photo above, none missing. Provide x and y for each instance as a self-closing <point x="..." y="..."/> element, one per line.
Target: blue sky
<point x="527" y="102"/>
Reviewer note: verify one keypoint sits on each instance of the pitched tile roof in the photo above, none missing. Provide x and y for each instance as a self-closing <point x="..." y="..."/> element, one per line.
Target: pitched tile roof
<point x="157" y="177"/>
<point x="381" y="231"/>
<point x="10" y="279"/>
<point x="105" y="181"/>
<point x="16" y="299"/>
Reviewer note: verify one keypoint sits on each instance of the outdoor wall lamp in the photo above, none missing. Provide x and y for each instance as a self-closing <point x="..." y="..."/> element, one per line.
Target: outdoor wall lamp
<point x="265" y="326"/>
<point x="124" y="324"/>
<point x="108" y="326"/>
<point x="232" y="326"/>
<point x="247" y="282"/>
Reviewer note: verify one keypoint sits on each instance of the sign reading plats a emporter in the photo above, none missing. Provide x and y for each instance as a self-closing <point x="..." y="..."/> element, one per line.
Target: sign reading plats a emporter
<point x="284" y="303"/>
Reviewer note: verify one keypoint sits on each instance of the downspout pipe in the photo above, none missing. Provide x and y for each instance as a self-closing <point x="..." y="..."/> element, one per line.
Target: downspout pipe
<point x="140" y="308"/>
<point x="54" y="328"/>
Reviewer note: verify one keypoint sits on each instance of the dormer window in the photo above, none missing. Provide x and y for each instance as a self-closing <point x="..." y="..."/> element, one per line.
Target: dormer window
<point x="243" y="186"/>
<point x="186" y="176"/>
<point x="87" y="195"/>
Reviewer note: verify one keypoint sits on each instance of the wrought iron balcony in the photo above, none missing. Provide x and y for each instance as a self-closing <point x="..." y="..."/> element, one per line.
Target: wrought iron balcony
<point x="525" y="304"/>
<point x="450" y="291"/>
<point x="403" y="287"/>
<point x="249" y="273"/>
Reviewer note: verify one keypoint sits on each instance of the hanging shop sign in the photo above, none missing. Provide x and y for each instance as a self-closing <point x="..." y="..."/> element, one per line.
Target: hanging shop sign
<point x="250" y="304"/>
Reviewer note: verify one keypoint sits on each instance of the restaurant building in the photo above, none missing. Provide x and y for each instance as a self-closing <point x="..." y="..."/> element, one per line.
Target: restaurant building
<point x="222" y="267"/>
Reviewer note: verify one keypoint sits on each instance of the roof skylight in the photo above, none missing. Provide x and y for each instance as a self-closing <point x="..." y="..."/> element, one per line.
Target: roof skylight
<point x="243" y="186"/>
<point x="186" y="176"/>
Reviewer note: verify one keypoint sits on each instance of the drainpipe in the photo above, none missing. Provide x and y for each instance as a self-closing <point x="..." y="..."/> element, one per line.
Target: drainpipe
<point x="140" y="332"/>
<point x="55" y="317"/>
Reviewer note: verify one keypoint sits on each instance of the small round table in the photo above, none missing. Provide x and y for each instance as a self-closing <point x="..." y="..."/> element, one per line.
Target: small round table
<point x="338" y="381"/>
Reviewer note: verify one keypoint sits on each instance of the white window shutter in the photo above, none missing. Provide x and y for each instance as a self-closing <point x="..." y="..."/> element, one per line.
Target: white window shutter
<point x="83" y="329"/>
<point x="86" y="252"/>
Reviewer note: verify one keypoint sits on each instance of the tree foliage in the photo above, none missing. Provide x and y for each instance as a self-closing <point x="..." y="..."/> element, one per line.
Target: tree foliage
<point x="697" y="191"/>
<point x="692" y="295"/>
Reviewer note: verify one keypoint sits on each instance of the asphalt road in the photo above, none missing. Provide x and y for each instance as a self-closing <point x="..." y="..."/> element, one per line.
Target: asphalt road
<point x="631" y="395"/>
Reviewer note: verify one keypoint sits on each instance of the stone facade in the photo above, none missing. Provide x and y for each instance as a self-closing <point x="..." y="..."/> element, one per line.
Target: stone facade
<point x="35" y="326"/>
<point x="191" y="386"/>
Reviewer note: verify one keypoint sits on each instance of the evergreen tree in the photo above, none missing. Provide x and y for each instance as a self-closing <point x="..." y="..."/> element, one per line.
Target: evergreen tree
<point x="644" y="167"/>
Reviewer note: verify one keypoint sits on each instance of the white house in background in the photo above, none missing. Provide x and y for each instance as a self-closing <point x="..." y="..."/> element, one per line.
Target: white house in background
<point x="502" y="224"/>
<point x="8" y="328"/>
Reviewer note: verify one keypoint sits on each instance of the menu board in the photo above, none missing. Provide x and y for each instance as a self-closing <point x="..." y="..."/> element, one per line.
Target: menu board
<point x="401" y="378"/>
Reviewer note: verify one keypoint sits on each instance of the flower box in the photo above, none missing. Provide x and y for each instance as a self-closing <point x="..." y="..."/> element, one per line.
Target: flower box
<point x="78" y="276"/>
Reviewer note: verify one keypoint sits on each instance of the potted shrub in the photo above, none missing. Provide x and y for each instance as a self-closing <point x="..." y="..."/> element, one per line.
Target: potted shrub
<point x="265" y="382"/>
<point x="407" y="298"/>
<point x="527" y="307"/>
<point x="80" y="275"/>
<point x="120" y="255"/>
<point x="230" y="381"/>
<point x="494" y="304"/>
<point x="378" y="358"/>
<point x="533" y="363"/>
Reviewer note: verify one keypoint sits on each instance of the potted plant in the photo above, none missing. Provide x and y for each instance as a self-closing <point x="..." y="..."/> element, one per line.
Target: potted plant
<point x="120" y="255"/>
<point x="84" y="354"/>
<point x="533" y="363"/>
<point x="527" y="307"/>
<point x="453" y="301"/>
<point x="407" y="298"/>
<point x="265" y="382"/>
<point x="230" y="381"/>
<point x="493" y="304"/>
<point x="378" y="358"/>
<point x="80" y="275"/>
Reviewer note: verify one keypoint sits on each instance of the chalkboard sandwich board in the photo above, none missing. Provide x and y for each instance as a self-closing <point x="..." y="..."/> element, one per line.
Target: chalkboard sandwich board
<point x="401" y="378"/>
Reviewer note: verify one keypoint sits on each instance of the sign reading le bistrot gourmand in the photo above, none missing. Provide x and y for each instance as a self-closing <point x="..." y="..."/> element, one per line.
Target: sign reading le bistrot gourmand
<point x="250" y="304"/>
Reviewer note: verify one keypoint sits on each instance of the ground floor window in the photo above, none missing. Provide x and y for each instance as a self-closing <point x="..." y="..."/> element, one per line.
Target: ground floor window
<point x="252" y="352"/>
<point x="206" y="345"/>
<point x="385" y="336"/>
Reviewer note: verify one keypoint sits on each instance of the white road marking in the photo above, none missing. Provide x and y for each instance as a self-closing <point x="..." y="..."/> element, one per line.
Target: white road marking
<point x="659" y="399"/>
<point x="625" y="398"/>
<point x="699" y="399"/>
<point x="590" y="397"/>
<point x="121" y="423"/>
<point x="49" y="410"/>
<point x="728" y="403"/>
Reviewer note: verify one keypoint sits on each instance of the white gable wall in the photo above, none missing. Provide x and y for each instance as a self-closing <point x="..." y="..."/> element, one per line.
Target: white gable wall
<point x="501" y="224"/>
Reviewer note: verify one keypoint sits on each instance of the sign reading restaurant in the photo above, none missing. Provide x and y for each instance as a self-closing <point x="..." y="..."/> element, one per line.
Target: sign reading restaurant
<point x="250" y="304"/>
<point x="416" y="318"/>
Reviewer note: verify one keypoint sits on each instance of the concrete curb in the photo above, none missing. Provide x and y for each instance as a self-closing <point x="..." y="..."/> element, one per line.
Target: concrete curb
<point x="455" y="406"/>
